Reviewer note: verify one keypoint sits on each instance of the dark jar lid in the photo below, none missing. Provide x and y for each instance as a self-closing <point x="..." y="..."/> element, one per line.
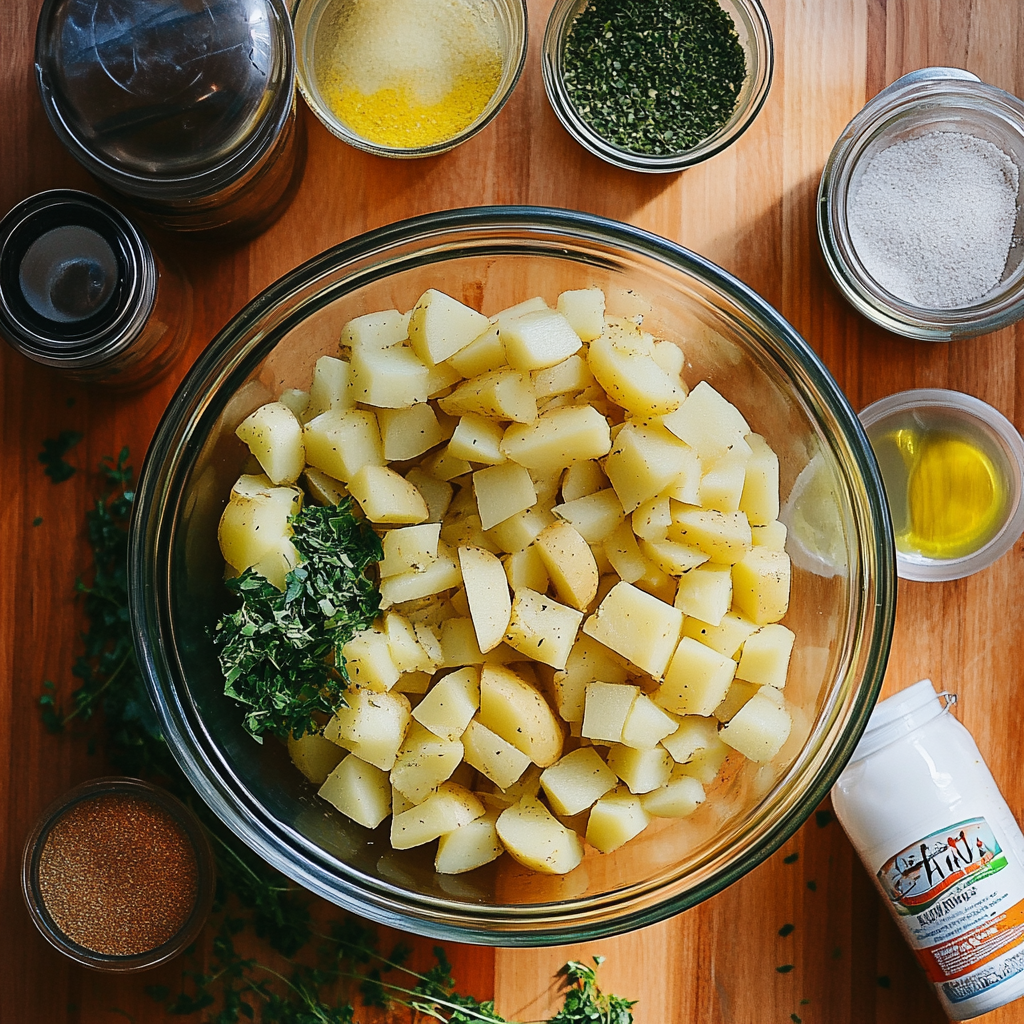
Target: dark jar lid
<point x="77" y="280"/>
<point x="166" y="99"/>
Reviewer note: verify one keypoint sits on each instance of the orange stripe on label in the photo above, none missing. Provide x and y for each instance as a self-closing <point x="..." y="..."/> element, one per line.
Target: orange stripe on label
<point x="973" y="949"/>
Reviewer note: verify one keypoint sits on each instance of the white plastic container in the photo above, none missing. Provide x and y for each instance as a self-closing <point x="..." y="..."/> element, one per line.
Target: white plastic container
<point x="936" y="835"/>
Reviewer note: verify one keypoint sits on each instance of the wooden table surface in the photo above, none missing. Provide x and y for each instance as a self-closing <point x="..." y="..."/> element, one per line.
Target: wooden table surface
<point x="750" y="209"/>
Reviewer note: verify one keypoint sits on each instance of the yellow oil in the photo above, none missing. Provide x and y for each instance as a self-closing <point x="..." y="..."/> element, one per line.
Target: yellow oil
<point x="946" y="482"/>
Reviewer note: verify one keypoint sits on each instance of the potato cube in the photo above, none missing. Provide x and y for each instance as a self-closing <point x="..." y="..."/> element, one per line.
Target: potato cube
<point x="594" y="516"/>
<point x="427" y="637"/>
<point x="490" y="604"/>
<point x="569" y="375"/>
<point x="570" y="565"/>
<point x="498" y="394"/>
<point x="314" y="756"/>
<point x="502" y="491"/>
<point x="450" y="705"/>
<point x="526" y="569"/>
<point x="406" y="652"/>
<point x="652" y="518"/>
<point x="276" y="563"/>
<point x="409" y="549"/>
<point x="406" y="433"/>
<point x="519" y="309"/>
<point x="385" y="497"/>
<point x="760" y="496"/>
<point x="470" y="846"/>
<point x="722" y="483"/>
<point x="723" y="537"/>
<point x="760" y="585"/>
<point x="481" y="355"/>
<point x="727" y="637"/>
<point x="376" y="330"/>
<point x="623" y="552"/>
<point x="632" y="380"/>
<point x="640" y="627"/>
<point x="424" y="761"/>
<point x="537" y="839"/>
<point x="738" y="695"/>
<point x="330" y="387"/>
<point x="615" y="819"/>
<point x="436" y="493"/>
<point x="440" y="326"/>
<point x="440" y="378"/>
<point x="518" y="531"/>
<point x="588" y="662"/>
<point x="321" y="488"/>
<point x="441" y="574"/>
<point x="605" y="710"/>
<point x="274" y="436"/>
<point x="644" y="461"/>
<point x="669" y="356"/>
<point x="493" y="756"/>
<point x="771" y="535"/>
<point x="537" y="340"/>
<point x="765" y="658"/>
<point x="250" y="528"/>
<point x="389" y="378"/>
<point x="672" y="557"/>
<point x="646" y="724"/>
<point x="477" y="440"/>
<point x="705" y="593"/>
<point x="359" y="790"/>
<point x="372" y="725"/>
<point x="707" y="422"/>
<point x="694" y="733"/>
<point x="581" y="479"/>
<point x="341" y="443"/>
<point x="697" y="679"/>
<point x="515" y="710"/>
<point x="576" y="781"/>
<point x="416" y="683"/>
<point x="459" y="644"/>
<point x="445" y="465"/>
<point x="760" y="727"/>
<point x="444" y="811"/>
<point x="641" y="770"/>
<point x="541" y="628"/>
<point x="368" y="660"/>
<point x="584" y="309"/>
<point x="558" y="439"/>
<point x="678" y="798"/>
<point x="706" y="763"/>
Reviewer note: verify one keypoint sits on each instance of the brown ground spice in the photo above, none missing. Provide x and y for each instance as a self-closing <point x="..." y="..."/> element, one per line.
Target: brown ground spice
<point x="118" y="875"/>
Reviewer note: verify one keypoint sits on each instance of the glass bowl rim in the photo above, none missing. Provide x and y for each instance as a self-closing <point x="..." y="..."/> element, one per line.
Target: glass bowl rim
<point x="273" y="840"/>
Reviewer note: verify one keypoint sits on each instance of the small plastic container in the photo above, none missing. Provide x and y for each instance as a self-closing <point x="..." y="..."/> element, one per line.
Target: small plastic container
<point x="937" y="413"/>
<point x="142" y="818"/>
<point x="310" y="17"/>
<point x="755" y="37"/>
<point x="946" y="854"/>
<point x="929" y="100"/>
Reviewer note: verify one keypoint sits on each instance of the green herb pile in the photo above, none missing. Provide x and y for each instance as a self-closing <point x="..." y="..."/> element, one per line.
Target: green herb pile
<point x="654" y="76"/>
<point x="280" y="653"/>
<point x="301" y="975"/>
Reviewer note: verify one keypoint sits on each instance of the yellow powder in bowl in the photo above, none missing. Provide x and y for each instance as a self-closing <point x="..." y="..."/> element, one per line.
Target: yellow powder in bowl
<point x="408" y="73"/>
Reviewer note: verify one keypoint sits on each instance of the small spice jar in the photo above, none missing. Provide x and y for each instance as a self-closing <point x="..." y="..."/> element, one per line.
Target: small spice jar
<point x="118" y="875"/>
<point x="941" y="845"/>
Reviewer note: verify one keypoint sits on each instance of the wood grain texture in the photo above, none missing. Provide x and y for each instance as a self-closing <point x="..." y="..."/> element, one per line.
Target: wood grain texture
<point x="750" y="209"/>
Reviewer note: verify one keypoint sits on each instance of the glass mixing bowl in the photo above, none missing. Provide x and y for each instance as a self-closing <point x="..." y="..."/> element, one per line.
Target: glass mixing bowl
<point x="840" y="539"/>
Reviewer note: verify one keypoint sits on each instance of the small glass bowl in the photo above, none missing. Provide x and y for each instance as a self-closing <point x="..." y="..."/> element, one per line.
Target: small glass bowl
<point x="925" y="101"/>
<point x="513" y="28"/>
<point x="182" y="816"/>
<point x="755" y="37"/>
<point x="929" y="405"/>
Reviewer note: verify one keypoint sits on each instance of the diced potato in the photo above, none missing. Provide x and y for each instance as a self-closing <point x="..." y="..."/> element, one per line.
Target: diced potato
<point x="445" y="465"/>
<point x="427" y="637"/>
<point x="669" y="356"/>
<point x="440" y="378"/>
<point x="436" y="493"/>
<point x="514" y="710"/>
<point x="406" y="652"/>
<point x="516" y="532"/>
<point x="646" y="724"/>
<point x="330" y="387"/>
<point x="321" y="488"/>
<point x="446" y="810"/>
<point x="697" y="679"/>
<point x="251" y="527"/>
<point x="640" y="769"/>
<point x="606" y="709"/>
<point x="588" y="662"/>
<point x="722" y="483"/>
<point x="576" y="781"/>
<point x="477" y="440"/>
<point x="296" y="400"/>
<point x="632" y="380"/>
<point x="359" y="790"/>
<point x="594" y="516"/>
<point x="570" y="565"/>
<point x="416" y="683"/>
<point x="499" y="394"/>
<point x="519" y="309"/>
<point x="368" y="660"/>
<point x="644" y="461"/>
<point x="545" y="483"/>
<point x="389" y="378"/>
<point x="584" y="309"/>
<point x="694" y="733"/>
<point x="623" y="552"/>
<point x="771" y="535"/>
<point x="502" y="491"/>
<point x="537" y="839"/>
<point x="440" y="326"/>
<point x="706" y="762"/>
<point x="459" y="644"/>
<point x="707" y="422"/>
<point x="470" y="846"/>
<point x="537" y="340"/>
<point x="765" y="658"/>
<point x="640" y="627"/>
<point x="376" y="330"/>
<point x="724" y="537"/>
<point x="615" y="819"/>
<point x="760" y="497"/>
<point x="481" y="355"/>
<point x="678" y="798"/>
<point x="468" y="532"/>
<point x="525" y="569"/>
<point x="727" y="637"/>
<point x="249" y="485"/>
<point x="493" y="756"/>
<point x="274" y="435"/>
<point x="672" y="557"/>
<point x="569" y="375"/>
<point x="490" y="603"/>
<point x="342" y="443"/>
<point x="399" y="803"/>
<point x="541" y="628"/>
<point x="406" y="433"/>
<point x="372" y="725"/>
<point x="705" y="593"/>
<point x="760" y="585"/>
<point x="424" y="761"/>
<point x="760" y="727"/>
<point x="441" y="574"/>
<point x="276" y="563"/>
<point x="652" y="518"/>
<point x="314" y="756"/>
<point x="738" y="695"/>
<point x="385" y="497"/>
<point x="581" y="479"/>
<point x="409" y="549"/>
<point x="558" y="439"/>
<point x="450" y="705"/>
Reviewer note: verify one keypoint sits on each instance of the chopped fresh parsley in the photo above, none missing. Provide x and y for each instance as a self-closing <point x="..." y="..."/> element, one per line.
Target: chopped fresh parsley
<point x="55" y="466"/>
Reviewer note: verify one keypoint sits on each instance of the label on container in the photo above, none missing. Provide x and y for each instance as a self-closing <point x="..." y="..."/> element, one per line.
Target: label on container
<point x="960" y="902"/>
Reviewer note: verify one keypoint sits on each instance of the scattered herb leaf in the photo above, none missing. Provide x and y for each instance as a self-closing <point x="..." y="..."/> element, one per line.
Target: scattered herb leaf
<point x="38" y="521"/>
<point x="812" y="885"/>
<point x="585" y="1002"/>
<point x="791" y="859"/>
<point x="823" y="818"/>
<point x="787" y="929"/>
<point x="805" y="1002"/>
<point x="52" y="456"/>
<point x="795" y="1019"/>
<point x="784" y="969"/>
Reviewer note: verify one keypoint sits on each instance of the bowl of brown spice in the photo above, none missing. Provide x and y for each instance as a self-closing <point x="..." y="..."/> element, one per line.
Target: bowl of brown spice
<point x="657" y="86"/>
<point x="117" y="875"/>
